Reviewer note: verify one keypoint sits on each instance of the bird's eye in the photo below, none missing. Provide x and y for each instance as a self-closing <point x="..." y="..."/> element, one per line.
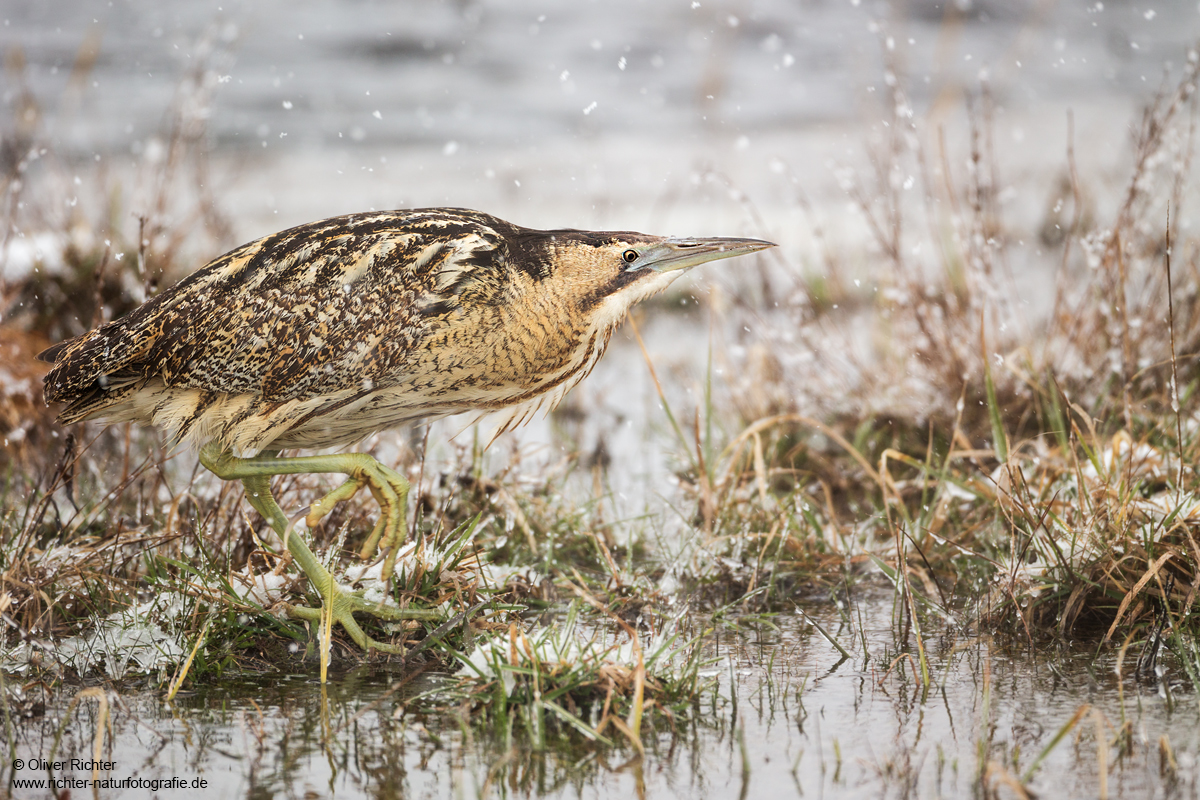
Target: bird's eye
<point x="630" y="256"/>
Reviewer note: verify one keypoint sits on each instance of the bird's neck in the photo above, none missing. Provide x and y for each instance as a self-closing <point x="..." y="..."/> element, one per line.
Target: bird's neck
<point x="541" y="332"/>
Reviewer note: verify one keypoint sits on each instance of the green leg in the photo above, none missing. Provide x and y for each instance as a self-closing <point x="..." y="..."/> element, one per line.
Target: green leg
<point x="388" y="486"/>
<point x="338" y="604"/>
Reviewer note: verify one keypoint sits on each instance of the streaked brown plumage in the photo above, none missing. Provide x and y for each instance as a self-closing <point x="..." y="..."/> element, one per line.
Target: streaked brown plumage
<point x="321" y="334"/>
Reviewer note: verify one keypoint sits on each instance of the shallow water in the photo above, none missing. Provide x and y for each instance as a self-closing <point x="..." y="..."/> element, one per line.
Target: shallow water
<point x="802" y="721"/>
<point x="592" y="115"/>
<point x="525" y="74"/>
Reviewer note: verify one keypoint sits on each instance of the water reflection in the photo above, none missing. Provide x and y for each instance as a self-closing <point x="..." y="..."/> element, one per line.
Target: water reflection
<point x="788" y="715"/>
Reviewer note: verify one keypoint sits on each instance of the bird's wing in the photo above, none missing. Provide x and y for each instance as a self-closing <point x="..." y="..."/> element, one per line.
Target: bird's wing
<point x="316" y="309"/>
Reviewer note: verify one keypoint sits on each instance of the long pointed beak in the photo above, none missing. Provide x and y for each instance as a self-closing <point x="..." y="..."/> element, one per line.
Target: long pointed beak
<point x="675" y="254"/>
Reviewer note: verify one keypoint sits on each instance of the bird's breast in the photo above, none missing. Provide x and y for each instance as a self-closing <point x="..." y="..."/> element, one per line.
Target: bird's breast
<point x="497" y="355"/>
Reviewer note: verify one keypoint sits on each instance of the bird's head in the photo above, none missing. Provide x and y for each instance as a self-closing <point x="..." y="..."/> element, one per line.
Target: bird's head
<point x="605" y="273"/>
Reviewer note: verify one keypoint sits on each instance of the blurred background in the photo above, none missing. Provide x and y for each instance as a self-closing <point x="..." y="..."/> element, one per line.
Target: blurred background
<point x="193" y="127"/>
<point x="590" y="114"/>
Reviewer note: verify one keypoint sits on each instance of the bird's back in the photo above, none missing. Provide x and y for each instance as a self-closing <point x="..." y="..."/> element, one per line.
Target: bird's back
<point x="290" y="325"/>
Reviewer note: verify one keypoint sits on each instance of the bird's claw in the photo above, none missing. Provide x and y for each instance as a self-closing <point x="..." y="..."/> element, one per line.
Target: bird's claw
<point x="320" y="508"/>
<point x="339" y="607"/>
<point x="390" y="490"/>
<point x="339" y="613"/>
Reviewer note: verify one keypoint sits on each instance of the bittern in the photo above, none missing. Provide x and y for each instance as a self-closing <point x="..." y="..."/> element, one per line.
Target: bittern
<point x="322" y="334"/>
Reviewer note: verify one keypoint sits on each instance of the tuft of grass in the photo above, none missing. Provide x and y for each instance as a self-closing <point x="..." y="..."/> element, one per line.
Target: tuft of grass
<point x="1031" y="477"/>
<point x="572" y="677"/>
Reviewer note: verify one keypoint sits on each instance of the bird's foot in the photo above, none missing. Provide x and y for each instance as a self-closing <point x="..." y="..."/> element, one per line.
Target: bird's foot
<point x="390" y="490"/>
<point x="338" y="606"/>
<point x="389" y="487"/>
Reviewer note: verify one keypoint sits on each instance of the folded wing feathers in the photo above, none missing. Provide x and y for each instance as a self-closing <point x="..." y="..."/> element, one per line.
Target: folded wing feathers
<point x="275" y="333"/>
